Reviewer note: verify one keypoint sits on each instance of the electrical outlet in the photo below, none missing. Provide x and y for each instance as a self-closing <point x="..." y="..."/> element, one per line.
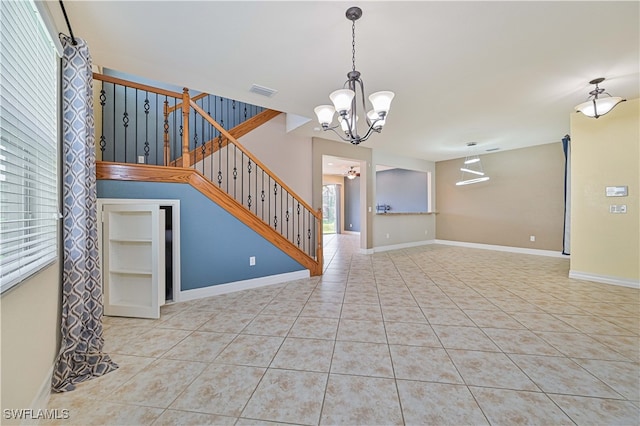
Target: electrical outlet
<point x="141" y="159"/>
<point x="252" y="261"/>
<point x="387" y="235"/>
<point x="532" y="238"/>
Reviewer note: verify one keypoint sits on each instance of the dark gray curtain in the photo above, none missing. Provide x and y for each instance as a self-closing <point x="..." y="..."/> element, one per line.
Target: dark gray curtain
<point x="81" y="357"/>
<point x="566" y="239"/>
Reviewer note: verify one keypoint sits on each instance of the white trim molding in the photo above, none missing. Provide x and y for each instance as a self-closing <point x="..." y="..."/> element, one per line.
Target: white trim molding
<point x="604" y="279"/>
<point x="41" y="400"/>
<point x="215" y="290"/>
<point x="521" y="250"/>
<point x="402" y="246"/>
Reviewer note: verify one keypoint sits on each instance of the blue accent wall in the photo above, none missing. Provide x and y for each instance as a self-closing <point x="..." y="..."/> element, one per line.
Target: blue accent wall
<point x="404" y="190"/>
<point x="214" y="246"/>
<point x="352" y="204"/>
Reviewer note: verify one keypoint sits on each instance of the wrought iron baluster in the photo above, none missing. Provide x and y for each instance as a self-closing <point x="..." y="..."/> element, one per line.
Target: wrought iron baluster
<point x="166" y="145"/>
<point x="234" y="121"/>
<point x="275" y="205"/>
<point x="125" y="123"/>
<point x="210" y="137"/>
<point x="227" y="168"/>
<point x="262" y="197"/>
<point x="222" y="113"/>
<point x="203" y="147"/>
<point x="103" y="140"/>
<point x="147" y="107"/>
<point x="156" y="130"/>
<point x="235" y="171"/>
<point x="287" y="215"/>
<point x="212" y="155"/>
<point x="135" y="157"/>
<point x="309" y="230"/>
<point x="256" y="187"/>
<point x="227" y="114"/>
<point x="298" y="230"/>
<point x="220" y="161"/>
<point x="249" y="183"/>
<point x="114" y="122"/>
<point x="176" y="117"/>
<point x="195" y="136"/>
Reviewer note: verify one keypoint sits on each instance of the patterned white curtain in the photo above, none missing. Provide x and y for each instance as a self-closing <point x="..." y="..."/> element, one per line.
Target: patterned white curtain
<point x="81" y="357"/>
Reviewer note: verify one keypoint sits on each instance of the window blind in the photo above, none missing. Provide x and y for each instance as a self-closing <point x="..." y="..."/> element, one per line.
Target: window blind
<point x="28" y="144"/>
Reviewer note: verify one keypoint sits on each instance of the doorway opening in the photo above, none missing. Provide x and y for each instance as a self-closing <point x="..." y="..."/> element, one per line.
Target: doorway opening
<point x="331" y="209"/>
<point x="168" y="252"/>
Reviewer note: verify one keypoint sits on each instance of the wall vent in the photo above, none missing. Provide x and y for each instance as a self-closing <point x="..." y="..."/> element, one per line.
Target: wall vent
<point x="263" y="91"/>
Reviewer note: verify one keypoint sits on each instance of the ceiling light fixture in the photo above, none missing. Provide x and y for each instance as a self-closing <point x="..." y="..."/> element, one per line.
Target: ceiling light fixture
<point x="597" y="106"/>
<point x="475" y="168"/>
<point x="345" y="100"/>
<point x="351" y="174"/>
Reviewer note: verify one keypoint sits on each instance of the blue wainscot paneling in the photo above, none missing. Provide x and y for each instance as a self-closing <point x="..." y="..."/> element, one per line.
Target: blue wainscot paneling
<point x="214" y="246"/>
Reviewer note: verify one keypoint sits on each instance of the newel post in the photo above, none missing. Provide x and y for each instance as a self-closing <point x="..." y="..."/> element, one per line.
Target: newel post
<point x="319" y="254"/>
<point x="186" y="161"/>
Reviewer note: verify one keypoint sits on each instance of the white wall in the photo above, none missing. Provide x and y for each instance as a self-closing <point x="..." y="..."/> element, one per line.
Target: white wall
<point x="286" y="154"/>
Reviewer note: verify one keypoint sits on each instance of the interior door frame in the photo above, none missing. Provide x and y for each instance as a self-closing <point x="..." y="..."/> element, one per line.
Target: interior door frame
<point x="175" y="223"/>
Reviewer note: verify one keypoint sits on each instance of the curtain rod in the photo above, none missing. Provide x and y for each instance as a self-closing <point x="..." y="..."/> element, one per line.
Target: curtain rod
<point x="66" y="18"/>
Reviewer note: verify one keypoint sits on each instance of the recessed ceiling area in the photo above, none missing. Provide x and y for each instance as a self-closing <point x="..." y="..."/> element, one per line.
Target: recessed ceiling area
<point x="337" y="166"/>
<point x="503" y="74"/>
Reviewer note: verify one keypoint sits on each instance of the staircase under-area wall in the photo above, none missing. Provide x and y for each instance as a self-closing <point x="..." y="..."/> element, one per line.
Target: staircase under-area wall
<point x="157" y="143"/>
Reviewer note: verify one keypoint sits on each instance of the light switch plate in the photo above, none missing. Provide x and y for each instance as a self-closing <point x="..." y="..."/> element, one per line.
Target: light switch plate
<point x="617" y="191"/>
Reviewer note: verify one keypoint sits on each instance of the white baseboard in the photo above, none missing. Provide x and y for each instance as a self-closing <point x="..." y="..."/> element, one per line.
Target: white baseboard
<point x="41" y="400"/>
<point x="604" y="279"/>
<point x="214" y="290"/>
<point x="401" y="246"/>
<point x="521" y="250"/>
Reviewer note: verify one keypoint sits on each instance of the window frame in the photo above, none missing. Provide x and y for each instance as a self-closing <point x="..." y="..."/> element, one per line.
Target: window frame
<point x="29" y="144"/>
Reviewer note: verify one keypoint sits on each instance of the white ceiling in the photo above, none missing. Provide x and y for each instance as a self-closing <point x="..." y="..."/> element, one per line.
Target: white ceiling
<point x="503" y="74"/>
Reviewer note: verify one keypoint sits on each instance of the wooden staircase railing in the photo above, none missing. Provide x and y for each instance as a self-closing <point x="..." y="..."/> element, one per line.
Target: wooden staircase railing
<point x="188" y="145"/>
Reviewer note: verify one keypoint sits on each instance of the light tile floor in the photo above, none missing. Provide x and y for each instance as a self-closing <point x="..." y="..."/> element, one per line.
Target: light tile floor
<point x="428" y="335"/>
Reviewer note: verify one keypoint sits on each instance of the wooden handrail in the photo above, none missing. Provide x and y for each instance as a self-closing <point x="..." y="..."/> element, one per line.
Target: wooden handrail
<point x="195" y="98"/>
<point x="227" y="135"/>
<point x="133" y="85"/>
<point x="213" y="145"/>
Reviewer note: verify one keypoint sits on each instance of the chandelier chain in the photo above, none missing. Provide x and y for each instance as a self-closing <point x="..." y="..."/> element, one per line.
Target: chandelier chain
<point x="353" y="45"/>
